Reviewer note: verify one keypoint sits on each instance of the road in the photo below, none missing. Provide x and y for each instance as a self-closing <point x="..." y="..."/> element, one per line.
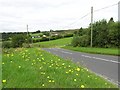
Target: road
<point x="105" y="66"/>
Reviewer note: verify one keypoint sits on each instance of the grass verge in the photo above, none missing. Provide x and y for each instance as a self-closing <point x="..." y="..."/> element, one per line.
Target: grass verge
<point x="35" y="68"/>
<point x="53" y="43"/>
<point x="106" y="51"/>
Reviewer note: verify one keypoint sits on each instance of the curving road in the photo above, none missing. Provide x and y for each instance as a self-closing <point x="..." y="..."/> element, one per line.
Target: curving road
<point x="105" y="66"/>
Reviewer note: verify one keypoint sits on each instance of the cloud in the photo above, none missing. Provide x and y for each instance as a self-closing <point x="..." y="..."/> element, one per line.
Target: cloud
<point x="51" y="14"/>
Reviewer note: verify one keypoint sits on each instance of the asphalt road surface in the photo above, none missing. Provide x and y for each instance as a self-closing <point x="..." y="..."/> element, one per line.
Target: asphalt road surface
<point x="105" y="66"/>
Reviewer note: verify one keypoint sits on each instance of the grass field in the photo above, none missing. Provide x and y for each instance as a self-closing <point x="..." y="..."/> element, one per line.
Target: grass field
<point x="109" y="51"/>
<point x="35" y="68"/>
<point x="54" y="43"/>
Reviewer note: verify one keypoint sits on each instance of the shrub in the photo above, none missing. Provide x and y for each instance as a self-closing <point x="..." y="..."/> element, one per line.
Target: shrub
<point x="6" y="44"/>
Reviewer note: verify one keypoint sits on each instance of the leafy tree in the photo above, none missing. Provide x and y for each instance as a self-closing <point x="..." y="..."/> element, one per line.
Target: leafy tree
<point x="18" y="40"/>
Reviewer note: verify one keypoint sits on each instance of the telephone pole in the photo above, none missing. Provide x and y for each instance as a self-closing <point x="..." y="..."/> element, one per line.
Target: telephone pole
<point x="119" y="11"/>
<point x="91" y="26"/>
<point x="27" y="30"/>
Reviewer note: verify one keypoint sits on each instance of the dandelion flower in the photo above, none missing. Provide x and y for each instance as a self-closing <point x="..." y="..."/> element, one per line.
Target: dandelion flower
<point x="78" y="69"/>
<point x="43" y="85"/>
<point x="66" y="72"/>
<point x="19" y="66"/>
<point x="48" y="77"/>
<point x="3" y="63"/>
<point x="75" y="80"/>
<point x="53" y="81"/>
<point x="76" y="74"/>
<point x="105" y="83"/>
<point x="49" y="81"/>
<point x="4" y="81"/>
<point x="82" y="86"/>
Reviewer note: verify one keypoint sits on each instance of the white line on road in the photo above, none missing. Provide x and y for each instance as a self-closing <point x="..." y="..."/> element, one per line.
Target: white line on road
<point x="66" y="52"/>
<point x="101" y="59"/>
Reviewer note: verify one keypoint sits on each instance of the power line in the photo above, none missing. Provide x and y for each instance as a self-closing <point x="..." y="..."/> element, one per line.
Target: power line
<point x="105" y="7"/>
<point x="77" y="20"/>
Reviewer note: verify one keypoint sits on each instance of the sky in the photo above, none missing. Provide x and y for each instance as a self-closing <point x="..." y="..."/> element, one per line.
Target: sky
<point x="45" y="15"/>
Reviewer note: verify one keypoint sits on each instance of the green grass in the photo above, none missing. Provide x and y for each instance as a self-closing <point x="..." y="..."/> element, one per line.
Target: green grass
<point x="54" y="43"/>
<point x="35" y="68"/>
<point x="109" y="51"/>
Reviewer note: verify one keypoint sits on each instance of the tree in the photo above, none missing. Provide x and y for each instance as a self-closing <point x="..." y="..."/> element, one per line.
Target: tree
<point x="18" y="40"/>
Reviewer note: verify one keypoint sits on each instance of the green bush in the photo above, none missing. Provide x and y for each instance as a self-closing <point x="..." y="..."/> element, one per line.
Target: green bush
<point x="6" y="44"/>
<point x="25" y="45"/>
<point x="18" y="40"/>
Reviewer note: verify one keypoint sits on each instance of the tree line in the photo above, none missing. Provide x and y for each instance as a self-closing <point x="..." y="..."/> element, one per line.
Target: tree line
<point x="105" y="34"/>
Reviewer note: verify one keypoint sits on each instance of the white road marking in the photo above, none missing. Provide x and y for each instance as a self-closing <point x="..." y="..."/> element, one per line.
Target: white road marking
<point x="101" y="59"/>
<point x="66" y="52"/>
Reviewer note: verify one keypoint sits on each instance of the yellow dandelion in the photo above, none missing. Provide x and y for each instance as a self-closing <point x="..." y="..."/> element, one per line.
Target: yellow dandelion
<point x="8" y="55"/>
<point x="66" y="72"/>
<point x="105" y="83"/>
<point x="4" y="81"/>
<point x="53" y="81"/>
<point x="76" y="74"/>
<point x="82" y="86"/>
<point x="12" y="55"/>
<point x="63" y="63"/>
<point x="19" y="66"/>
<point x="48" y="77"/>
<point x="3" y="63"/>
<point x="33" y="60"/>
<point x="75" y="80"/>
<point x="49" y="81"/>
<point x="43" y="85"/>
<point x="78" y="69"/>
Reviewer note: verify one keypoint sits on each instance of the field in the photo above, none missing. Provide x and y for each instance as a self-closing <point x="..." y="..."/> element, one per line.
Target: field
<point x="35" y="68"/>
<point x="54" y="43"/>
<point x="107" y="51"/>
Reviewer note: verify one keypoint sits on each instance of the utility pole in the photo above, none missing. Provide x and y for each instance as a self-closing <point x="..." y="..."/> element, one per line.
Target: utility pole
<point x="91" y="26"/>
<point x="27" y="30"/>
<point x="119" y="11"/>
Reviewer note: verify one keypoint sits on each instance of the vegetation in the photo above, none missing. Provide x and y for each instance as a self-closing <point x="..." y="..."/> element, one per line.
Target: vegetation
<point x="53" y="43"/>
<point x="35" y="68"/>
<point x="105" y="35"/>
<point x="109" y="51"/>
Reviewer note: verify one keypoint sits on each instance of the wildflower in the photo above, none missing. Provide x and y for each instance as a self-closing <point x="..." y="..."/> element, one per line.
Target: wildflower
<point x="12" y="55"/>
<point x="75" y="80"/>
<point x="53" y="81"/>
<point x="49" y="81"/>
<point x="3" y="63"/>
<point x="4" y="81"/>
<point x="88" y="76"/>
<point x="76" y="74"/>
<point x="69" y="70"/>
<point x="82" y="86"/>
<point x="43" y="85"/>
<point x="19" y="66"/>
<point x="48" y="77"/>
<point x="78" y="69"/>
<point x="105" y="83"/>
<point x="42" y="58"/>
<point x="7" y="55"/>
<point x="40" y="67"/>
<point x="33" y="60"/>
<point x="66" y="72"/>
